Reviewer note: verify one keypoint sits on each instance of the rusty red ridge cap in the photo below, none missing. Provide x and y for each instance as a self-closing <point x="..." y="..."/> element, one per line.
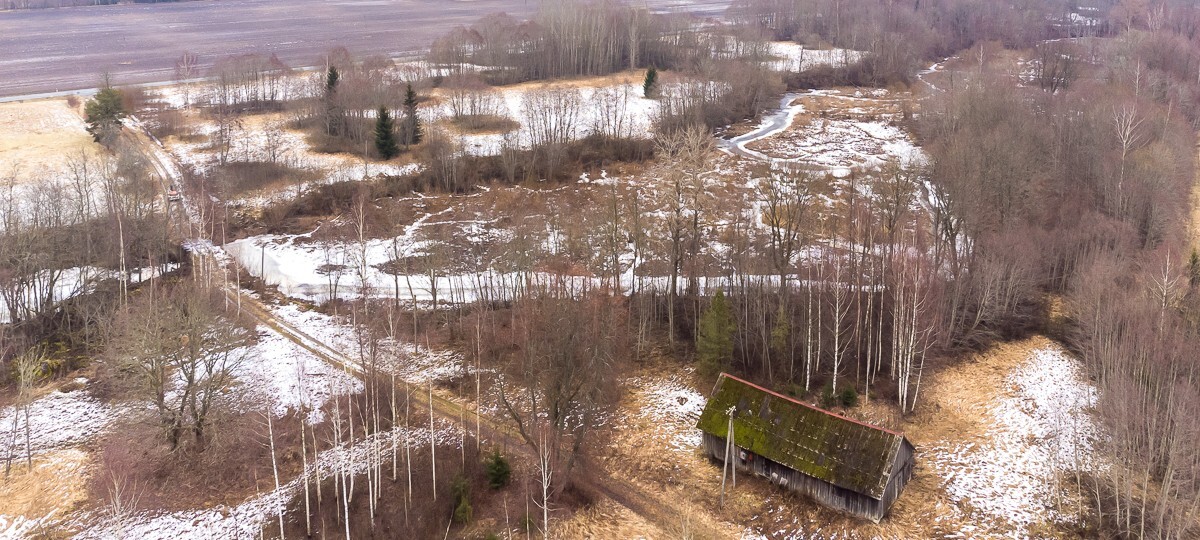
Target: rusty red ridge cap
<point x="815" y="408"/>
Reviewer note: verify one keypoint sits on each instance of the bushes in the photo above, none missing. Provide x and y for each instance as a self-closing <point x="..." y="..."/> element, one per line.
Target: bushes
<point x="238" y="177"/>
<point x="848" y="397"/>
<point x="448" y="171"/>
<point x="485" y="123"/>
<point x="498" y="471"/>
<point x="462" y="500"/>
<point x="867" y="72"/>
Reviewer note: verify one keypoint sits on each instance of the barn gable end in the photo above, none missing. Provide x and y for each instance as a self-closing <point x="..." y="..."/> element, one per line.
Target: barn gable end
<point x="841" y="462"/>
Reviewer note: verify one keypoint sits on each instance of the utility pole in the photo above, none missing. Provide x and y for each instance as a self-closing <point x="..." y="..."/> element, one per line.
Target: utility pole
<point x="728" y="448"/>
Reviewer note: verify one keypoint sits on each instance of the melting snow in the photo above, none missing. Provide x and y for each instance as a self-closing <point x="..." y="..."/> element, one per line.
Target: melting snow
<point x="795" y="57"/>
<point x="292" y="378"/>
<point x="673" y="407"/>
<point x="411" y="362"/>
<point x="58" y="420"/>
<point x="1040" y="430"/>
<point x="245" y="520"/>
<point x="620" y="105"/>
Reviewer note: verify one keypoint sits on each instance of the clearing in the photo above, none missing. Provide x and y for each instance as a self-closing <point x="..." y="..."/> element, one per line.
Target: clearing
<point x="994" y="435"/>
<point x="38" y="139"/>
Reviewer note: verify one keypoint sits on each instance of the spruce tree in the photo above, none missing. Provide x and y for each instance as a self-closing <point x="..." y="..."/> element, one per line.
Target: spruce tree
<point x="332" y="114"/>
<point x="462" y="500"/>
<point x="499" y="472"/>
<point x="385" y="136"/>
<point x="650" y="85"/>
<point x="331" y="80"/>
<point x="412" y="124"/>
<point x="104" y="114"/>
<point x="714" y="342"/>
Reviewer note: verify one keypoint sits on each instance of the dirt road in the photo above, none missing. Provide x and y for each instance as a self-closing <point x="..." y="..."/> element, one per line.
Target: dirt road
<point x="649" y="506"/>
<point x="53" y="50"/>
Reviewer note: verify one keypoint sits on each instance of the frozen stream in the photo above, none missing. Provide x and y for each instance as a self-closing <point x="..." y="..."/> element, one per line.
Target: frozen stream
<point x="773" y="123"/>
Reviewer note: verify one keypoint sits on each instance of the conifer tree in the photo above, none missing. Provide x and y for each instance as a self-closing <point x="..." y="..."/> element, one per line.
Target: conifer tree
<point x="650" y="85"/>
<point x="332" y="114"/>
<point x="714" y="342"/>
<point x="104" y="114"/>
<point x="412" y="124"/>
<point x="385" y="136"/>
<point x="331" y="80"/>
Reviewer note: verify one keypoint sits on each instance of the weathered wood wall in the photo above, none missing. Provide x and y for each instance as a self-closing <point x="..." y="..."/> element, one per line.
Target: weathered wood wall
<point x="823" y="492"/>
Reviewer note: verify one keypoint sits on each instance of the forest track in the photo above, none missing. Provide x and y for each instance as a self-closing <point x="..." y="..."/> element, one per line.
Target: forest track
<point x="649" y="506"/>
<point x="1194" y="222"/>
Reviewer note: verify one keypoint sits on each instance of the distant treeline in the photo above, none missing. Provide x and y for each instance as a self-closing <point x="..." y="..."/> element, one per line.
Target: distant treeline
<point x="43" y="4"/>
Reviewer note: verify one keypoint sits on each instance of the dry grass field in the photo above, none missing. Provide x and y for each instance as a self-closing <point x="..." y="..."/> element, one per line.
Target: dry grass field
<point x="39" y="138"/>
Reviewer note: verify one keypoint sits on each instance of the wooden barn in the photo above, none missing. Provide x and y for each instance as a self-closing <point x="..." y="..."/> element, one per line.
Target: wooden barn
<point x="841" y="463"/>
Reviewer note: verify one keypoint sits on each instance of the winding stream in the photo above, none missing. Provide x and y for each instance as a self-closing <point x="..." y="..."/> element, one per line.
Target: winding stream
<point x="773" y="122"/>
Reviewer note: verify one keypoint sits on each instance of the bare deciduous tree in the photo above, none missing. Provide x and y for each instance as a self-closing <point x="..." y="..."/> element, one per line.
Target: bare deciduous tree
<point x="181" y="351"/>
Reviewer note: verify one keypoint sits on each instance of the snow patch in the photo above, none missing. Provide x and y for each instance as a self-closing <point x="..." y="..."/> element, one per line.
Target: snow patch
<point x="795" y="57"/>
<point x="57" y="420"/>
<point x="289" y="377"/>
<point x="246" y="520"/>
<point x="673" y="407"/>
<point x="1041" y="431"/>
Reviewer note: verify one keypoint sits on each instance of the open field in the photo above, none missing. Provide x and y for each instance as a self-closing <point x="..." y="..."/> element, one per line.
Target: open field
<point x="52" y="50"/>
<point x="991" y="440"/>
<point x="37" y="138"/>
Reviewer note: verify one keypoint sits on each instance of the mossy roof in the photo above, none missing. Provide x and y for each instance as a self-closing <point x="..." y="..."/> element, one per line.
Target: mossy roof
<point x="827" y="446"/>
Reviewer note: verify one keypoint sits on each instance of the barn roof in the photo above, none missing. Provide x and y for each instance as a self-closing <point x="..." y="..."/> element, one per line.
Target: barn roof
<point x="827" y="446"/>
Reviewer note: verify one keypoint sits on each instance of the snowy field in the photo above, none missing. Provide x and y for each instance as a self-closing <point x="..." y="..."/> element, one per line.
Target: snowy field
<point x="282" y="375"/>
<point x="298" y="270"/>
<point x="846" y="132"/>
<point x="1040" y="431"/>
<point x="614" y="105"/>
<point x="57" y="420"/>
<point x="410" y="362"/>
<point x="265" y="138"/>
<point x="795" y="57"/>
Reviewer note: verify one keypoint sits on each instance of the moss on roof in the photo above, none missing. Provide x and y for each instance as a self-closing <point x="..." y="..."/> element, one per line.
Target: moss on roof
<point x="838" y="450"/>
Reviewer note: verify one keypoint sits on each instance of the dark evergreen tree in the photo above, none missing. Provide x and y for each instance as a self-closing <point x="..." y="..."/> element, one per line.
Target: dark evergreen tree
<point x="714" y="342"/>
<point x="385" y="134"/>
<point x="499" y="472"/>
<point x="333" y="121"/>
<point x="104" y="114"/>
<point x="331" y="80"/>
<point x="412" y="124"/>
<point x="462" y="500"/>
<point x="650" y="85"/>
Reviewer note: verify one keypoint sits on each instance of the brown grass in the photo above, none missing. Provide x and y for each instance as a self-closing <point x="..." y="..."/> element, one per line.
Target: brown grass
<point x="953" y="410"/>
<point x="606" y="519"/>
<point x="484" y="124"/>
<point x="40" y="137"/>
<point x="56" y="484"/>
<point x="623" y="77"/>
